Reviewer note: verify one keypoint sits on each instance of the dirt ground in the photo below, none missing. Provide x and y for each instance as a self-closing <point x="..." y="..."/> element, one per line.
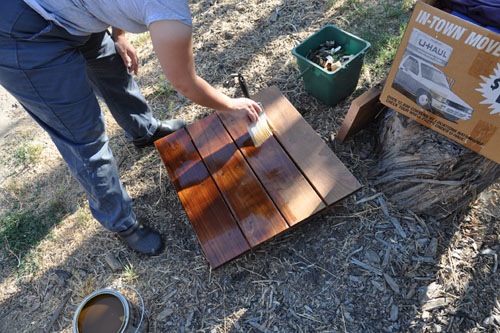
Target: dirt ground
<point x="364" y="266"/>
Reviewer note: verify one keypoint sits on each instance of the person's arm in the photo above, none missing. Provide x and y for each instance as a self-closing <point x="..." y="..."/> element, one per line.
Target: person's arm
<point x="172" y="42"/>
<point x="126" y="51"/>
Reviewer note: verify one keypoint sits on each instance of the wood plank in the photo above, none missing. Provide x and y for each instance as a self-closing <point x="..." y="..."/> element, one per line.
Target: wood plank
<point x="331" y="179"/>
<point x="362" y="111"/>
<point x="218" y="233"/>
<point x="291" y="192"/>
<point x="255" y="212"/>
<point x="238" y="196"/>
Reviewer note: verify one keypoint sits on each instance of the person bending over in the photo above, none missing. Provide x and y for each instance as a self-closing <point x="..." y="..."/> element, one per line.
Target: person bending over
<point x="58" y="55"/>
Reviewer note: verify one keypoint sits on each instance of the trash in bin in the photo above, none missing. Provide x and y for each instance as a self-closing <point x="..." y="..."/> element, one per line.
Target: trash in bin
<point x="330" y="63"/>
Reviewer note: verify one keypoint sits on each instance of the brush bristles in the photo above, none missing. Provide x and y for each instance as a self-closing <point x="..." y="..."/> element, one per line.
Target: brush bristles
<point x="260" y="131"/>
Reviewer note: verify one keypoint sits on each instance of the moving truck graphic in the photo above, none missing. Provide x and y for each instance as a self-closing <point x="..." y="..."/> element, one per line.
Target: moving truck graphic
<point x="446" y="76"/>
<point x="431" y="88"/>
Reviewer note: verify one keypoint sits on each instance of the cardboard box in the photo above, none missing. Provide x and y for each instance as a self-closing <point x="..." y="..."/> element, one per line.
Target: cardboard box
<point x="446" y="76"/>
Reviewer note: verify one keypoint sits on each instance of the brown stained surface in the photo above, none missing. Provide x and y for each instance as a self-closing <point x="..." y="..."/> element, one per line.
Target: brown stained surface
<point x="318" y="163"/>
<point x="218" y="233"/>
<point x="362" y="111"/>
<point x="238" y="196"/>
<point x="255" y="212"/>
<point x="284" y="182"/>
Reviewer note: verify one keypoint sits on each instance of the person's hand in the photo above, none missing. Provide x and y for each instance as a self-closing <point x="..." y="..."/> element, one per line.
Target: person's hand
<point x="126" y="51"/>
<point x="245" y="107"/>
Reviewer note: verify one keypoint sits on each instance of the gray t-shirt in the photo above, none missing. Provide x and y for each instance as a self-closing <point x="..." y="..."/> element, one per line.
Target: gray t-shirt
<point x="83" y="17"/>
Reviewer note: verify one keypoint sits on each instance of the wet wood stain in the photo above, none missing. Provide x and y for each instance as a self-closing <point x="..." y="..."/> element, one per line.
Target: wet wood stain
<point x="236" y="195"/>
<point x="102" y="314"/>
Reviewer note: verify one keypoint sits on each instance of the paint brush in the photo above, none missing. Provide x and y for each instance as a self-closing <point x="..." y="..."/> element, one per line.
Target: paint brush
<point x="261" y="130"/>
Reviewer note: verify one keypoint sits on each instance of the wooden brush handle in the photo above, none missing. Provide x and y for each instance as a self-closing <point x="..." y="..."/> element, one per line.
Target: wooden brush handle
<point x="243" y="85"/>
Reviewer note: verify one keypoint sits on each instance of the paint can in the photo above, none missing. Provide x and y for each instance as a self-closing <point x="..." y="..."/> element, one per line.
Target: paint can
<point x="108" y="311"/>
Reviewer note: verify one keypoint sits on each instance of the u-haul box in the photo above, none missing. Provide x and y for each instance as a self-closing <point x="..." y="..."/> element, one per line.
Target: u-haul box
<point x="446" y="76"/>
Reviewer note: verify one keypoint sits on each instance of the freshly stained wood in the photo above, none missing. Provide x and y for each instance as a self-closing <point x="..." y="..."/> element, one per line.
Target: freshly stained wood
<point x="254" y="210"/>
<point x="289" y="189"/>
<point x="218" y="233"/>
<point x="238" y="196"/>
<point x="318" y="163"/>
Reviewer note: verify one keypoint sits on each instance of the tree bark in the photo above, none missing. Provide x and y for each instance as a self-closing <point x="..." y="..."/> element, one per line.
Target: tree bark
<point x="425" y="172"/>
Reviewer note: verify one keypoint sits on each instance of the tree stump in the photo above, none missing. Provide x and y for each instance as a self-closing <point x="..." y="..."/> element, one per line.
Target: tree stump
<point x="425" y="172"/>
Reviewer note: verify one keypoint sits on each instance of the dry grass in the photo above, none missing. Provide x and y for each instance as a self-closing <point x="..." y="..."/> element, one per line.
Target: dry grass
<point x="365" y="266"/>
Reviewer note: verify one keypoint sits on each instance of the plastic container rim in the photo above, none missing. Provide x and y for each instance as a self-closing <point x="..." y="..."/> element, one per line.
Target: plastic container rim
<point x="344" y="65"/>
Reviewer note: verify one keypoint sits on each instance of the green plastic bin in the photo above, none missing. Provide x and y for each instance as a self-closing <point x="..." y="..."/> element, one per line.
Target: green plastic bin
<point x="331" y="87"/>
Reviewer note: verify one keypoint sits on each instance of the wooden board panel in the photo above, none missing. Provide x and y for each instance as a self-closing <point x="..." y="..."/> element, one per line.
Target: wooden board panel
<point x="255" y="212"/>
<point x="291" y="192"/>
<point x="238" y="196"/>
<point x="362" y="111"/>
<point x="218" y="233"/>
<point x="318" y="163"/>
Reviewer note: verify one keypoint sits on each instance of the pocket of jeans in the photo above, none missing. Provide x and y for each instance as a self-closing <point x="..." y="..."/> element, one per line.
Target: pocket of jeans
<point x="29" y="25"/>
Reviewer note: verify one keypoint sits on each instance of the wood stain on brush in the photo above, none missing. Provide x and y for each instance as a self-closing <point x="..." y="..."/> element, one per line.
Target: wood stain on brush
<point x="261" y="130"/>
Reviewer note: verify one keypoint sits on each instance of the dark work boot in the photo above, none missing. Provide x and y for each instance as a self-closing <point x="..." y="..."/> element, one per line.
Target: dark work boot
<point x="142" y="239"/>
<point x="165" y="127"/>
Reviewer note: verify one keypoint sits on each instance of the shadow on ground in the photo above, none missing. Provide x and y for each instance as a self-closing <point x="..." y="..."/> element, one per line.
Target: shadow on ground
<point x="352" y="269"/>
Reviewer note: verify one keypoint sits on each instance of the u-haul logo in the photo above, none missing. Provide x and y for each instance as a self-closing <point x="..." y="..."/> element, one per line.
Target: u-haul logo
<point x="429" y="48"/>
<point x="487" y="43"/>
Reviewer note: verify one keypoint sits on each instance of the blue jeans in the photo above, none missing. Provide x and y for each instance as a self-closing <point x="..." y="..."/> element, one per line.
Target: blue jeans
<point x="55" y="76"/>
